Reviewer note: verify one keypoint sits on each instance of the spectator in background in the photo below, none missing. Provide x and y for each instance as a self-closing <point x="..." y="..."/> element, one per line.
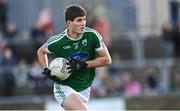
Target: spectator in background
<point x="21" y="73"/>
<point x="176" y="40"/>
<point x="8" y="82"/>
<point x="151" y="77"/>
<point x="90" y="18"/>
<point x="36" y="79"/>
<point x="3" y="45"/>
<point x="8" y="63"/>
<point x="97" y="89"/>
<point x="9" y="60"/>
<point x="11" y="31"/>
<point x="44" y="26"/>
<point x="101" y="23"/>
<point x="114" y="68"/>
<point x="167" y="36"/>
<point x="3" y="16"/>
<point x="109" y="86"/>
<point x="132" y="86"/>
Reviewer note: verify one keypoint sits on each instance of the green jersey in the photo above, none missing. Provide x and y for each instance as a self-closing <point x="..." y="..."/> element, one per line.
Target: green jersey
<point x="84" y="48"/>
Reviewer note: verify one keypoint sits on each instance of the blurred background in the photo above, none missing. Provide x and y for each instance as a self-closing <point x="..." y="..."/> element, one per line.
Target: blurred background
<point x="143" y="37"/>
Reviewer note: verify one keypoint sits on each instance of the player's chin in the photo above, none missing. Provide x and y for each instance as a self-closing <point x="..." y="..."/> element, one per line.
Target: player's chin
<point x="81" y="32"/>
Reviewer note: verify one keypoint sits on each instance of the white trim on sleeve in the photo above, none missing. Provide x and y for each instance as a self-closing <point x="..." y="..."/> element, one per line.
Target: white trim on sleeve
<point x="48" y="50"/>
<point x="100" y="48"/>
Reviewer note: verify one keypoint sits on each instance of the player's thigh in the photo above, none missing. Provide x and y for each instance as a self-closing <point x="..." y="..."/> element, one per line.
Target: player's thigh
<point x="78" y="100"/>
<point x="61" y="92"/>
<point x="74" y="102"/>
<point x="73" y="98"/>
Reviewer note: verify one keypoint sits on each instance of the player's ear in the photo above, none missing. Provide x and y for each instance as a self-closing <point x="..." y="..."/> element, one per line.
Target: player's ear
<point x="68" y="22"/>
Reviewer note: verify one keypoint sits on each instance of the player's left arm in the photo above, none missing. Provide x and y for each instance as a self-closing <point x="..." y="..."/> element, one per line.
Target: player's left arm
<point x="103" y="59"/>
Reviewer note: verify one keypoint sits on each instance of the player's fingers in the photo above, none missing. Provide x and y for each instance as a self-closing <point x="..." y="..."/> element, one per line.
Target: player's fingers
<point x="70" y="71"/>
<point x="68" y="63"/>
<point x="50" y="77"/>
<point x="44" y="73"/>
<point x="70" y="67"/>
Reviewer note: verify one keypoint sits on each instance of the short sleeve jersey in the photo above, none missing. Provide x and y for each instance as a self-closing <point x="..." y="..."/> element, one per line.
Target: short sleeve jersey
<point x="84" y="48"/>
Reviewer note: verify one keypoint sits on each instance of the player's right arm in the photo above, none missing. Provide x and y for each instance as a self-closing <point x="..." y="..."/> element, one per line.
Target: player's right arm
<point x="43" y="51"/>
<point x="43" y="59"/>
<point x="42" y="56"/>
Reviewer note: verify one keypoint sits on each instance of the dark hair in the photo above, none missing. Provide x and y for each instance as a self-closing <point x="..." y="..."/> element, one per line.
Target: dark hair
<point x="73" y="11"/>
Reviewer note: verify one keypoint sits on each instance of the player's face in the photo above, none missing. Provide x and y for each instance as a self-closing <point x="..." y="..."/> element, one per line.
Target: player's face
<point x="78" y="25"/>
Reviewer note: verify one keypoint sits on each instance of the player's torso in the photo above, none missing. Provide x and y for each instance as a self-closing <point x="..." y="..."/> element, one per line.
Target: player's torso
<point x="79" y="49"/>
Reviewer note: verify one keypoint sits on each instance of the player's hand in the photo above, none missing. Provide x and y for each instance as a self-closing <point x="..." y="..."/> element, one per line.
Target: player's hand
<point x="47" y="73"/>
<point x="75" y="65"/>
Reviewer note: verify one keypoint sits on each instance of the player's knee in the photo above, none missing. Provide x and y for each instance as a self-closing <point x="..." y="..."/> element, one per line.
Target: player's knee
<point x="73" y="102"/>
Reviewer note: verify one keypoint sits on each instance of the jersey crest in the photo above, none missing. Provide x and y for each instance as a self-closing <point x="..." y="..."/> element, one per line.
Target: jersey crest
<point x="79" y="56"/>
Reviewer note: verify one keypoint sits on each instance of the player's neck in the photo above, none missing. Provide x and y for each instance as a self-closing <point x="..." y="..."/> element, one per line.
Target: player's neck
<point x="73" y="35"/>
